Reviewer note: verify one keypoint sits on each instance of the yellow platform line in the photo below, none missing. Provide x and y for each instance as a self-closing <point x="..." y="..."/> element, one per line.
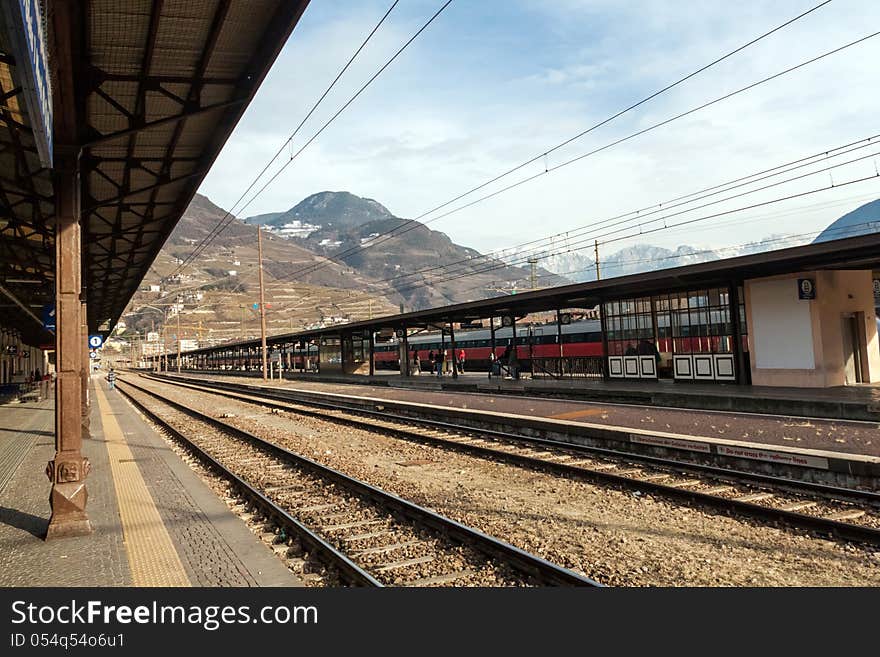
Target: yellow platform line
<point x="571" y="415"/>
<point x="152" y="558"/>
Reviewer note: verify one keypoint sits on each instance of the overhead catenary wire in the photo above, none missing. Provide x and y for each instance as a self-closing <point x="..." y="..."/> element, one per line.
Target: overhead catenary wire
<point x="653" y="127"/>
<point x="219" y="227"/>
<point x="408" y="288"/>
<point x="641" y="214"/>
<point x="227" y="221"/>
<point x="415" y="222"/>
<point x="588" y="242"/>
<point x="570" y="247"/>
<point x="839" y="232"/>
<point x="587" y="239"/>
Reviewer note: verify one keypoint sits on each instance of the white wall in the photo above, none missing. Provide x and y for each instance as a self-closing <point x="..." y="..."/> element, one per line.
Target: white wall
<point x="781" y="326"/>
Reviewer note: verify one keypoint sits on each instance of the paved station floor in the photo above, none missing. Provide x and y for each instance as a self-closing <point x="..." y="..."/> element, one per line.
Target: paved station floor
<point x="154" y="522"/>
<point x="843" y="436"/>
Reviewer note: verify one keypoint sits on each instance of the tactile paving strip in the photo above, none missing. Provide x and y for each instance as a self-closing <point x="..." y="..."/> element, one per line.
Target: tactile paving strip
<point x="27" y="424"/>
<point x="152" y="557"/>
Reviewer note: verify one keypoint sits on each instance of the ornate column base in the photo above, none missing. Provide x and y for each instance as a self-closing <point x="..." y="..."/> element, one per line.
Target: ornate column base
<point x="68" y="499"/>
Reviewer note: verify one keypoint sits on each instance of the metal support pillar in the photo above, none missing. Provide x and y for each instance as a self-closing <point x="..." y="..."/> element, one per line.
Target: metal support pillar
<point x="742" y="373"/>
<point x="604" y="329"/>
<point x="407" y="371"/>
<point x="68" y="470"/>
<point x="86" y="370"/>
<point x="372" y="353"/>
<point x="561" y="369"/>
<point x="492" y="335"/>
<point x="514" y="349"/>
<point x="454" y="357"/>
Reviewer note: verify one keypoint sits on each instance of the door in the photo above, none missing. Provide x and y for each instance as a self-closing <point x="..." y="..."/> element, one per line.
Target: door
<point x="852" y="357"/>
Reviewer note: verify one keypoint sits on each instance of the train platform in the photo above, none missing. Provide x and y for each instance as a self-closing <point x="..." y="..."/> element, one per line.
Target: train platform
<point x="833" y="449"/>
<point x="154" y="521"/>
<point x="854" y="402"/>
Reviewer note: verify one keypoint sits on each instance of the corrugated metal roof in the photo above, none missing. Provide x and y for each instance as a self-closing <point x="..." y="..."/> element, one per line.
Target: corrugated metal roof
<point x="159" y="86"/>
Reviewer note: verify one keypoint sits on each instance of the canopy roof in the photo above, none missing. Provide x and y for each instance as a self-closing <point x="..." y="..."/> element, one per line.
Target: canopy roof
<point x="146" y="93"/>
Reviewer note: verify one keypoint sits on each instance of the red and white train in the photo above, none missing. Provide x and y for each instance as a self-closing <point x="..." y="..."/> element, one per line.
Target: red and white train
<point x="580" y="339"/>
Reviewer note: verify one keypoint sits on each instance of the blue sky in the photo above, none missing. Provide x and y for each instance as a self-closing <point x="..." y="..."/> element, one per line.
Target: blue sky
<point x="490" y="84"/>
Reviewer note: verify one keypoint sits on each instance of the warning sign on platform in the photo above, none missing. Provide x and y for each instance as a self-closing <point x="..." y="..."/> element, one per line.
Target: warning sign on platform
<point x="802" y="460"/>
<point x="674" y="443"/>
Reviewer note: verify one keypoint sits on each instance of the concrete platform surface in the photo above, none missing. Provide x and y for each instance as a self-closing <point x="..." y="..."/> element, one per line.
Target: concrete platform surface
<point x="843" y="437"/>
<point x="856" y="402"/>
<point x="155" y="523"/>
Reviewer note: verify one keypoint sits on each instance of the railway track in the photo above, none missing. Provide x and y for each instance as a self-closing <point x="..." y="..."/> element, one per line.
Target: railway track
<point x="366" y="535"/>
<point x="849" y="514"/>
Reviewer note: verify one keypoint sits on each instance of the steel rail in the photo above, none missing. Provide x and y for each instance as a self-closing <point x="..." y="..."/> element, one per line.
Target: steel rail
<point x="523" y="561"/>
<point x="844" y="530"/>
<point x="324" y="550"/>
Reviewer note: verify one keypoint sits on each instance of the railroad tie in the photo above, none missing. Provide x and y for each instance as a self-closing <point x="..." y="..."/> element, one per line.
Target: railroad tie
<point x="718" y="490"/>
<point x="441" y="579"/>
<point x="849" y="514"/>
<point x="687" y="483"/>
<point x="361" y="537"/>
<point x="317" y="507"/>
<point x="798" y="506"/>
<point x="655" y="477"/>
<point x="754" y="497"/>
<point x="387" y="548"/>
<point x="394" y="565"/>
<point x="350" y="525"/>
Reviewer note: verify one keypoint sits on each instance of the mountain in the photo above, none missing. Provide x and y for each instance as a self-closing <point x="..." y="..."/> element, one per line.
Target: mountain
<point x="339" y="210"/>
<point x="637" y="258"/>
<point x="861" y="221"/>
<point x="339" y="225"/>
<point x="217" y="292"/>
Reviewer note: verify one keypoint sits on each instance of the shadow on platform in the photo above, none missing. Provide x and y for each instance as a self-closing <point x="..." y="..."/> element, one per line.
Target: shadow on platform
<point x="35" y="525"/>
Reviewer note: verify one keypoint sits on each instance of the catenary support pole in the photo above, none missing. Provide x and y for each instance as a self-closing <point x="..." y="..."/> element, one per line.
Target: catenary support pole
<point x="178" y="335"/>
<point x="262" y="300"/>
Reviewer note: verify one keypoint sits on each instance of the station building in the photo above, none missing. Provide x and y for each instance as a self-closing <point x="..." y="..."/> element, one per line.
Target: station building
<point x="804" y="316"/>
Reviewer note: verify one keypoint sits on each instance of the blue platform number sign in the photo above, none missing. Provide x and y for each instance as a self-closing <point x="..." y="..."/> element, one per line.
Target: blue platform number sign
<point x="49" y="316"/>
<point x="95" y="341"/>
<point x="24" y="21"/>
<point x="806" y="289"/>
<point x="256" y="306"/>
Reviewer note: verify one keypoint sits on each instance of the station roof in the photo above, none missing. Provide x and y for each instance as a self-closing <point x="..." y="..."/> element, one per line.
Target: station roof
<point x="862" y="252"/>
<point x="147" y="92"/>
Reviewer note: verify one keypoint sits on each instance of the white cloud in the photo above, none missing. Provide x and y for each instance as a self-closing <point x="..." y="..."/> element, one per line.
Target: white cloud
<point x="472" y="99"/>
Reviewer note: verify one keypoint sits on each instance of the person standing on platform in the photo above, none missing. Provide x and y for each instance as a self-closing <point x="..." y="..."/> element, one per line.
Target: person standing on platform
<point x="461" y="357"/>
<point x="491" y="362"/>
<point x="417" y="364"/>
<point x="431" y="361"/>
<point x="513" y="363"/>
<point x="111" y="379"/>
